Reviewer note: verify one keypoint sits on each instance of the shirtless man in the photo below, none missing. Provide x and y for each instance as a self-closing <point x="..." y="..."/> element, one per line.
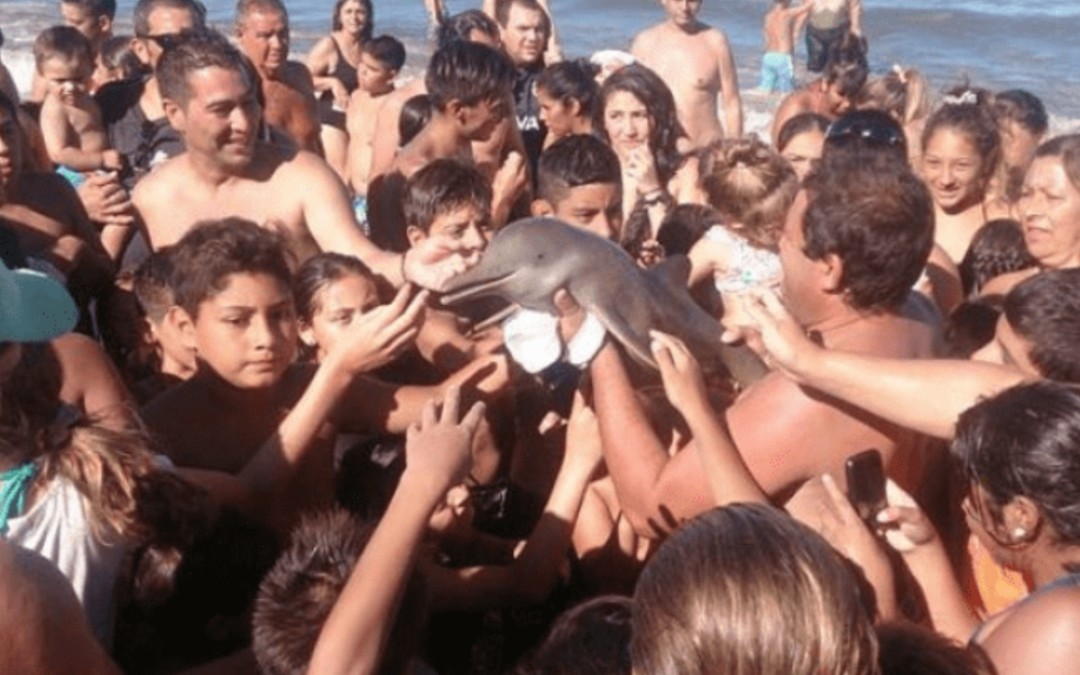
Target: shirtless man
<point x="832" y="94"/>
<point x="843" y="281"/>
<point x="262" y="31"/>
<point x="696" y="62"/>
<point x="227" y="171"/>
<point x="828" y="21"/>
<point x="524" y="27"/>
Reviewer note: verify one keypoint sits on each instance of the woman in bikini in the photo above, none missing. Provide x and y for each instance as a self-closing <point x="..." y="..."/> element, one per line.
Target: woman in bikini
<point x="333" y="62"/>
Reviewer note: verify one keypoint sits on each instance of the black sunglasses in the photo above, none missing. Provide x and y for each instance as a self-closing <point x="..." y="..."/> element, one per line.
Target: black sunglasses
<point x="867" y="128"/>
<point x="168" y="40"/>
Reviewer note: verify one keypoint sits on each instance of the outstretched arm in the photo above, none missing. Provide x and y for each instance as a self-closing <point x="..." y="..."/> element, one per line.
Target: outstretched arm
<point x="437" y="456"/>
<point x="856" y="10"/>
<point x="925" y="395"/>
<point x="535" y="571"/>
<point x="729" y="478"/>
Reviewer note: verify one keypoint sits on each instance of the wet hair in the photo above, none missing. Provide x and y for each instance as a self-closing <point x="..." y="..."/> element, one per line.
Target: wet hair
<point x="573" y="161"/>
<point x="967" y="110"/>
<point x="971" y="326"/>
<point x="300" y="591"/>
<point x="997" y="248"/>
<point x="846" y="66"/>
<point x="245" y="8"/>
<point x="910" y="649"/>
<point x="684" y="225"/>
<point x="442" y="187"/>
<point x="1045" y="311"/>
<point x="870" y="135"/>
<point x="1025" y="442"/>
<point x="145" y="8"/>
<point x="746" y="589"/>
<point x="1067" y="148"/>
<point x="459" y="27"/>
<point x="214" y="250"/>
<point x="195" y="51"/>
<point x="568" y="81"/>
<point x="502" y="12"/>
<point x="592" y="638"/>
<point x="468" y="72"/>
<point x="317" y="273"/>
<point x="63" y="42"/>
<point x="647" y="87"/>
<point x="387" y="50"/>
<point x="152" y="285"/>
<point x="751" y="185"/>
<point x="1022" y="107"/>
<point x="901" y="94"/>
<point x="878" y="222"/>
<point x="96" y="8"/>
<point x="369" y="27"/>
<point x="116" y="54"/>
<point x="415" y="115"/>
<point x="798" y="125"/>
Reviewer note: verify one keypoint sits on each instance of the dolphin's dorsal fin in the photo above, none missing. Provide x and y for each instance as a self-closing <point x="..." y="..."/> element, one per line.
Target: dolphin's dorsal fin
<point x="673" y="271"/>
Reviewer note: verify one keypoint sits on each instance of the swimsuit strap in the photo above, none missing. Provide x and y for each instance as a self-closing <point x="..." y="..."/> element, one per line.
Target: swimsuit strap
<point x="13" y="493"/>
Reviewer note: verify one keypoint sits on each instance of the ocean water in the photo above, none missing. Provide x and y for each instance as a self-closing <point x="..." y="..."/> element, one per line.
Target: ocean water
<point x="999" y="44"/>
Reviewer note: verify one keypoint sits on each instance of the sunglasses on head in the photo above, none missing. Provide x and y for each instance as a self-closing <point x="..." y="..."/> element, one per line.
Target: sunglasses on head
<point x="865" y="131"/>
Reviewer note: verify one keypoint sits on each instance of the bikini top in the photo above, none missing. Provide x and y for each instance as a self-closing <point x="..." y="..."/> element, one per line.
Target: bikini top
<point x="344" y="72"/>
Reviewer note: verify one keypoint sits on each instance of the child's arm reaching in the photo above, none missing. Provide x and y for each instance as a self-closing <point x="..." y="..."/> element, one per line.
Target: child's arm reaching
<point x="729" y="479"/>
<point x="60" y="139"/>
<point x="388" y="330"/>
<point x="535" y="570"/>
<point x="437" y="455"/>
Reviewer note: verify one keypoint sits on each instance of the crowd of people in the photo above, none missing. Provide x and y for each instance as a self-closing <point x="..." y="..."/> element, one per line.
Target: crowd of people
<point x="256" y="417"/>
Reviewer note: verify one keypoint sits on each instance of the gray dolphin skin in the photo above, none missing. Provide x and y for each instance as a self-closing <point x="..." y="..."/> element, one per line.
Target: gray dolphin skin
<point x="527" y="261"/>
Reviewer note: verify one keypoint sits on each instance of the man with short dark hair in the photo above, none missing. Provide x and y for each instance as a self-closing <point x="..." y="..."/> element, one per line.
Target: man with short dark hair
<point x="210" y="98"/>
<point x="288" y="92"/>
<point x="853" y="245"/>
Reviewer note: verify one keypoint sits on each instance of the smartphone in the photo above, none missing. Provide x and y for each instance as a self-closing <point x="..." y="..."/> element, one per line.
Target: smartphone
<point x="866" y="484"/>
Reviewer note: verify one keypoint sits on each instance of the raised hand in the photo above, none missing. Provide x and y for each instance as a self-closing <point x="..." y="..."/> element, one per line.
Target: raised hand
<point x="680" y="371"/>
<point x="438" y="448"/>
<point x="773" y="333"/>
<point x="382" y="334"/>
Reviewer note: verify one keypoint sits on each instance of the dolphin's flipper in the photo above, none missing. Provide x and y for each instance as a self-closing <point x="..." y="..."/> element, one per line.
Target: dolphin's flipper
<point x="625" y="315"/>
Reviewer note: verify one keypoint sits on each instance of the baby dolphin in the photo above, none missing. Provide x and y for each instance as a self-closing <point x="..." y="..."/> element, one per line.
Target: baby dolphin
<point x="528" y="260"/>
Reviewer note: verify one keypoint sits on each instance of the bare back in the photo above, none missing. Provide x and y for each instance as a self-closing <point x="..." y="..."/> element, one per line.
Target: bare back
<point x="698" y="66"/>
<point x="290" y="105"/>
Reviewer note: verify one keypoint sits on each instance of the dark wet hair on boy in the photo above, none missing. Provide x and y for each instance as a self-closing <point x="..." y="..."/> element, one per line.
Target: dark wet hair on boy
<point x="387" y="50"/>
<point x="468" y="72"/>
<point x="997" y="248"/>
<point x="442" y="187"/>
<point x="212" y="251"/>
<point x="65" y="43"/>
<point x="461" y="26"/>
<point x="298" y="594"/>
<point x="415" y="114"/>
<point x="1045" y="311"/>
<point x="573" y="161"/>
<point x="592" y="638"/>
<point x="152" y="285"/>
